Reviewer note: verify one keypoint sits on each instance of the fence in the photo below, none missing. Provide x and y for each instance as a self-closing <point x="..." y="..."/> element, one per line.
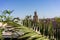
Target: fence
<point x="56" y="34"/>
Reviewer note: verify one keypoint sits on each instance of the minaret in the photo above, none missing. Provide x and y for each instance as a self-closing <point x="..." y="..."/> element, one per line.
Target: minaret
<point x="35" y="17"/>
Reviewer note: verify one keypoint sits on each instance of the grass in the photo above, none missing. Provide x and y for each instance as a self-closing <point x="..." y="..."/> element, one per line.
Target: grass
<point x="29" y="34"/>
<point x="0" y="33"/>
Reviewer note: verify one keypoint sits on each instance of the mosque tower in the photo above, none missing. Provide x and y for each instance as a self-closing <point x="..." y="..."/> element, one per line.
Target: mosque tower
<point x="35" y="17"/>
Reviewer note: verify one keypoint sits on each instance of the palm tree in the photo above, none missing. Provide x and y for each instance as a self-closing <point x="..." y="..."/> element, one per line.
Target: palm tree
<point x="5" y="13"/>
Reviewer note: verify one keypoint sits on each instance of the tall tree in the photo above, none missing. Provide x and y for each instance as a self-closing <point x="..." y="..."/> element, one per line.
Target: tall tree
<point x="27" y="21"/>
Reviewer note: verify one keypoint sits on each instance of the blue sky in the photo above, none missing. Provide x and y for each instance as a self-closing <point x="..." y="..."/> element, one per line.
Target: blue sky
<point x="44" y="8"/>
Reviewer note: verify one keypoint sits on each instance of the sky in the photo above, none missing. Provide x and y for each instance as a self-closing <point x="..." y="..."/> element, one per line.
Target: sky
<point x="44" y="8"/>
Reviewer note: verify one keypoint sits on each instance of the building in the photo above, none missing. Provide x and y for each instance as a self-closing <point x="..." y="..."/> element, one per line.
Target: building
<point x="18" y="20"/>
